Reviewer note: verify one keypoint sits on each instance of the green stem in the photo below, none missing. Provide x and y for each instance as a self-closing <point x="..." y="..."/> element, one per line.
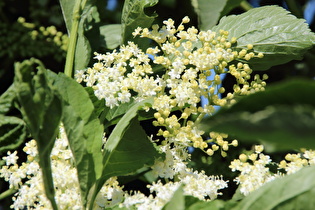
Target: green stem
<point x="73" y="39"/>
<point x="199" y="118"/>
<point x="7" y="193"/>
<point x="245" y="5"/>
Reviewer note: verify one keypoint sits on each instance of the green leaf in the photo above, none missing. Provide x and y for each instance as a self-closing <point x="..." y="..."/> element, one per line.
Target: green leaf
<point x="83" y="129"/>
<point x="67" y="7"/>
<point x="207" y="205"/>
<point x="283" y="116"/>
<point x="6" y="100"/>
<point x="113" y="115"/>
<point x="12" y="133"/>
<point x="88" y="35"/>
<point x="281" y="37"/>
<point x="295" y="191"/>
<point x="41" y="108"/>
<point x="208" y="11"/>
<point x="177" y="202"/>
<point x="111" y="35"/>
<point x="231" y="4"/>
<point x="99" y="105"/>
<point x="127" y="149"/>
<point x="133" y="16"/>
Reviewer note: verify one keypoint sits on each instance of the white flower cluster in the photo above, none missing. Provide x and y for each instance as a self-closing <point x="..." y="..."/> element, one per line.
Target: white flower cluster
<point x="117" y="73"/>
<point x="195" y="183"/>
<point x="128" y="74"/>
<point x="254" y="168"/>
<point x="31" y="193"/>
<point x="187" y="57"/>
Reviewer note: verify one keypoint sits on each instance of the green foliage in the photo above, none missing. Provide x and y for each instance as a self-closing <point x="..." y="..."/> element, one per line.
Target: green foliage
<point x="67" y="7"/>
<point x="88" y="30"/>
<point x="41" y="107"/>
<point x="283" y="115"/>
<point x="112" y="35"/>
<point x="213" y="205"/>
<point x="134" y="16"/>
<point x="295" y="191"/>
<point x="18" y="40"/>
<point x="230" y="4"/>
<point x="209" y="12"/>
<point x="177" y="202"/>
<point x="6" y="100"/>
<point x="12" y="133"/>
<point x="280" y="115"/>
<point x="83" y="129"/>
<point x="272" y="31"/>
<point x="127" y="149"/>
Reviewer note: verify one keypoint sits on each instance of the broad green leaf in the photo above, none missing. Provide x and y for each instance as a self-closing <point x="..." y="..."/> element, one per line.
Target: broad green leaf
<point x="280" y="36"/>
<point x="295" y="191"/>
<point x="67" y="7"/>
<point x="208" y="11"/>
<point x="41" y="108"/>
<point x="6" y="100"/>
<point x="83" y="129"/>
<point x="134" y="16"/>
<point x="99" y="105"/>
<point x="88" y="35"/>
<point x="207" y="205"/>
<point x="177" y="202"/>
<point x="127" y="149"/>
<point x="111" y="35"/>
<point x="231" y="4"/>
<point x="113" y="115"/>
<point x="283" y="116"/>
<point x="12" y="133"/>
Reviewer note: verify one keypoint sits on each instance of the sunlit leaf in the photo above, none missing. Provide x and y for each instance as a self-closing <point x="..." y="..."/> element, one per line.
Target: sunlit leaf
<point x="280" y="36"/>
<point x="111" y="35"/>
<point x="83" y="129"/>
<point x="210" y="11"/>
<point x="295" y="191"/>
<point x="134" y="16"/>
<point x="127" y="149"/>
<point x="177" y="201"/>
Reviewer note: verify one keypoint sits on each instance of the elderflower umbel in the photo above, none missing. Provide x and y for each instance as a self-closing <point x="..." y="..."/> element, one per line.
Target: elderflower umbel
<point x="128" y="75"/>
<point x="254" y="169"/>
<point x="31" y="193"/>
<point x="253" y="173"/>
<point x="187" y="57"/>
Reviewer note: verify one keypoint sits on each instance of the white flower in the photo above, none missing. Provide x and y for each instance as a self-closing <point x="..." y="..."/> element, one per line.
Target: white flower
<point x="11" y="158"/>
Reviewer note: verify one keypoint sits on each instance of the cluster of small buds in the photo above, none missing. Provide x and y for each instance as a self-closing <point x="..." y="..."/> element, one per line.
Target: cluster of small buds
<point x="50" y="34"/>
<point x="254" y="167"/>
<point x="218" y="142"/>
<point x="254" y="170"/>
<point x="23" y="39"/>
<point x="294" y="162"/>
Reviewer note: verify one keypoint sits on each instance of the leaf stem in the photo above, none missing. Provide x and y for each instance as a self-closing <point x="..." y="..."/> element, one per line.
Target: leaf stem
<point x="73" y="39"/>
<point x="7" y="193"/>
<point x="245" y="5"/>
